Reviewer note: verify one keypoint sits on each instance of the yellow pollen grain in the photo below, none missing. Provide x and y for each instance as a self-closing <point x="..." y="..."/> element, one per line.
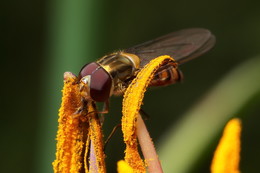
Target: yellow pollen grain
<point x="132" y="102"/>
<point x="227" y="155"/>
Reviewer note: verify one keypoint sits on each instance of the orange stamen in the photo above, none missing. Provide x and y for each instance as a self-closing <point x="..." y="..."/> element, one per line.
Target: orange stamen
<point x="131" y="105"/>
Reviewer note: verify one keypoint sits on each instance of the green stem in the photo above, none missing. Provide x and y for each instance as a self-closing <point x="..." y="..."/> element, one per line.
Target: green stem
<point x="72" y="29"/>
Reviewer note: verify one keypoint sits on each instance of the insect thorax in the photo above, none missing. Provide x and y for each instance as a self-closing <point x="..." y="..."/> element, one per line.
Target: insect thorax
<point x="121" y="67"/>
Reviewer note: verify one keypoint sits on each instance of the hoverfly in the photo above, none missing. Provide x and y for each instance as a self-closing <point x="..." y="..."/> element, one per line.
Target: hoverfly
<point x="111" y="74"/>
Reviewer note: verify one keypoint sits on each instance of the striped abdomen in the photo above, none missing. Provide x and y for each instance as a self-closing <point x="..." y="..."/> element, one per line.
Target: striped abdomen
<point x="166" y="75"/>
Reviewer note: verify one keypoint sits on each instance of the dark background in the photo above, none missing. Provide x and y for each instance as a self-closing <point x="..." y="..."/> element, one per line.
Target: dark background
<point x="42" y="39"/>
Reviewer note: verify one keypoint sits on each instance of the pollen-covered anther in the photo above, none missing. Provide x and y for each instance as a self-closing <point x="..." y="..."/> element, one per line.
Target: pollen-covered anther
<point x="71" y="131"/>
<point x="131" y="105"/>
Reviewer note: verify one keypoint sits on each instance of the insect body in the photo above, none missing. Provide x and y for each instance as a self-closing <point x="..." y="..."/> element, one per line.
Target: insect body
<point x="108" y="75"/>
<point x="111" y="74"/>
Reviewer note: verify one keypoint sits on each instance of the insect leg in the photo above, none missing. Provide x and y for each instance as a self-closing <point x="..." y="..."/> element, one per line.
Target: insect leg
<point x="111" y="135"/>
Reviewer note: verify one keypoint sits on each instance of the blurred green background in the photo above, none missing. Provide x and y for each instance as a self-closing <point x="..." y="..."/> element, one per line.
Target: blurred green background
<point x="43" y="39"/>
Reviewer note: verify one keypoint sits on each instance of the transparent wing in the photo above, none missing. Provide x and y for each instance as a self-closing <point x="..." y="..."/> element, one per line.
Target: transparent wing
<point x="182" y="45"/>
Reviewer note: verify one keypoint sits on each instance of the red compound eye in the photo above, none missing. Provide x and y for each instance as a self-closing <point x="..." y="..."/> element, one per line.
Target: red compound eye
<point x="100" y="85"/>
<point x="88" y="69"/>
<point x="100" y="82"/>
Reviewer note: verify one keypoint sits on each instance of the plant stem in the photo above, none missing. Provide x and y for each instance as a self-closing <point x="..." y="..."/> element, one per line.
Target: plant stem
<point x="147" y="146"/>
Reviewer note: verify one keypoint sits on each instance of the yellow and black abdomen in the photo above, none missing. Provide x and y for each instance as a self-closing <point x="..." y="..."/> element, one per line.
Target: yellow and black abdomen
<point x="166" y="75"/>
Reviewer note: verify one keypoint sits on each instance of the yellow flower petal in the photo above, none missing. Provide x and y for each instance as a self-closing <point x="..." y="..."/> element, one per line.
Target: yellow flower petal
<point x="123" y="167"/>
<point x="131" y="105"/>
<point x="226" y="157"/>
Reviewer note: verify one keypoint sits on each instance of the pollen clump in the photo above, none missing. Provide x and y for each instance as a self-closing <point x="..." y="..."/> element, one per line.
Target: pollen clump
<point x="131" y="105"/>
<point x="227" y="155"/>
